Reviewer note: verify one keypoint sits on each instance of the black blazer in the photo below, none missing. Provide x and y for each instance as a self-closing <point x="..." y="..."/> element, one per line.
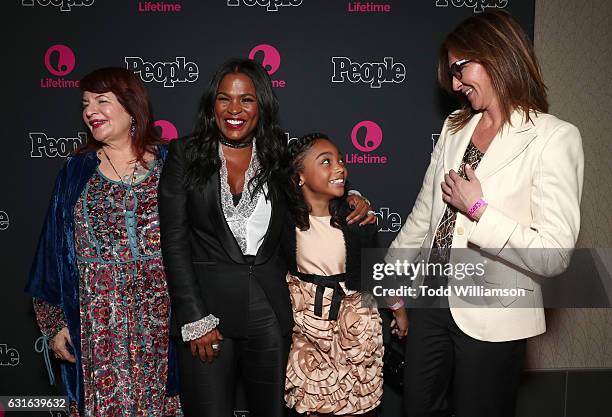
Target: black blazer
<point x="355" y="239"/>
<point x="205" y="268"/>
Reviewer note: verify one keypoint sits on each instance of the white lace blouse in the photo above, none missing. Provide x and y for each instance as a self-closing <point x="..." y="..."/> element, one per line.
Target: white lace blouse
<point x="249" y="219"/>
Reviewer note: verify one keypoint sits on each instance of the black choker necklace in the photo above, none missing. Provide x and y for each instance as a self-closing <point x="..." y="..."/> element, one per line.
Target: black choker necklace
<point x="235" y="144"/>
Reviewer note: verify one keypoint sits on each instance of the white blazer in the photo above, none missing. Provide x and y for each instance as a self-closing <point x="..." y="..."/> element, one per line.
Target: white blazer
<point x="531" y="176"/>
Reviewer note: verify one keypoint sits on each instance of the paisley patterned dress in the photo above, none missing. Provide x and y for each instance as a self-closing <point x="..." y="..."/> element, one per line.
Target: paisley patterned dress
<point x="124" y="300"/>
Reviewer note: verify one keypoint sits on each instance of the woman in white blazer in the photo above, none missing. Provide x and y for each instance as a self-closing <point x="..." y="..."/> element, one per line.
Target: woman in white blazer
<point x="503" y="185"/>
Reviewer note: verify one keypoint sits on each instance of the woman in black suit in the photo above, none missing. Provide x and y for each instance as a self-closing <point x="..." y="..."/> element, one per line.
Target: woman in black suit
<point x="222" y="212"/>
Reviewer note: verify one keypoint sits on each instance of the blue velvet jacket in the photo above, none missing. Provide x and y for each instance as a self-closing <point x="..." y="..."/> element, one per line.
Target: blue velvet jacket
<point x="54" y="276"/>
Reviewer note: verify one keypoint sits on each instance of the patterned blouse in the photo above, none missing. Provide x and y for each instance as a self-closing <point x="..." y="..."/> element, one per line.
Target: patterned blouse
<point x="443" y="239"/>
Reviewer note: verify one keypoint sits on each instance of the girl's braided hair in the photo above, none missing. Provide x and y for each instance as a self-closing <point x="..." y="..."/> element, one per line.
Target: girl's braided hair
<point x="297" y="150"/>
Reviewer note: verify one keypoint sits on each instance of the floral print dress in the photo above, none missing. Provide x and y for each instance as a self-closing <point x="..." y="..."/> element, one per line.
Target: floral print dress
<point x="124" y="300"/>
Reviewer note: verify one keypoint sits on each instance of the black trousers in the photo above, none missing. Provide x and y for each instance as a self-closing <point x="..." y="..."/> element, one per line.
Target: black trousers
<point x="448" y="372"/>
<point x="208" y="389"/>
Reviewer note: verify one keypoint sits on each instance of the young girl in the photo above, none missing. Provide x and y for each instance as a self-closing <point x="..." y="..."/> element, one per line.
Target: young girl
<point x="335" y="362"/>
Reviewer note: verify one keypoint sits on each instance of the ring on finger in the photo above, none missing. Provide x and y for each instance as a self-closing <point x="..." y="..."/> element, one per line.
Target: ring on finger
<point x="215" y="346"/>
<point x="371" y="213"/>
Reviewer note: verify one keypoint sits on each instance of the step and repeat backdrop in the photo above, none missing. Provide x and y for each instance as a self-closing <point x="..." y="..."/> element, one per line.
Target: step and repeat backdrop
<point x="362" y="72"/>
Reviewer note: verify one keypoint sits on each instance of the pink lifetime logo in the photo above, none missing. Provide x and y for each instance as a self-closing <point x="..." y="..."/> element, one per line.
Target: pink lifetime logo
<point x="168" y="130"/>
<point x="271" y="57"/>
<point x="373" y="136"/>
<point x="60" y="60"/>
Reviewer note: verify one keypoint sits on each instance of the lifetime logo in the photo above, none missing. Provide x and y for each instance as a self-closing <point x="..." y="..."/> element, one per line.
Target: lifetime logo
<point x="159" y="7"/>
<point x="373" y="136"/>
<point x="371" y="141"/>
<point x="270" y="5"/>
<point x="43" y="145"/>
<point x="270" y="60"/>
<point x="477" y="5"/>
<point x="8" y="356"/>
<point x="168" y="130"/>
<point x="59" y="61"/>
<point x="4" y="220"/>
<point x="178" y="71"/>
<point x="64" y="5"/>
<point x="373" y="73"/>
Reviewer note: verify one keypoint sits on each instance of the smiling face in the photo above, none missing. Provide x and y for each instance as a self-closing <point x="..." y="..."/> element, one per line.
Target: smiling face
<point x="236" y="108"/>
<point x="106" y="118"/>
<point x="475" y="84"/>
<point x="323" y="173"/>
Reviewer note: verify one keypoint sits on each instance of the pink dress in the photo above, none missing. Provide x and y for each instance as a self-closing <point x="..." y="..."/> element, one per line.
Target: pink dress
<point x="335" y="366"/>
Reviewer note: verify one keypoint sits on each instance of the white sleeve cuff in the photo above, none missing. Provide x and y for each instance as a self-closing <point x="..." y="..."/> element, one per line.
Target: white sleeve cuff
<point x="192" y="331"/>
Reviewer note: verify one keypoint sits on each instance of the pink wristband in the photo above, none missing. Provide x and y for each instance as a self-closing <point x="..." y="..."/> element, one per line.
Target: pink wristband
<point x="478" y="204"/>
<point x="397" y="305"/>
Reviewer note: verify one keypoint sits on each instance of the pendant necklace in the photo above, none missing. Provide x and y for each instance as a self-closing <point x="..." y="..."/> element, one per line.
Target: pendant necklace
<point x="117" y="173"/>
<point x="130" y="191"/>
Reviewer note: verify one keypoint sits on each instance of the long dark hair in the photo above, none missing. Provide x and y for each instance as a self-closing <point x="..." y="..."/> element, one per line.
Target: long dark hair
<point x="133" y="96"/>
<point x="496" y="41"/>
<point x="297" y="150"/>
<point x="203" y="145"/>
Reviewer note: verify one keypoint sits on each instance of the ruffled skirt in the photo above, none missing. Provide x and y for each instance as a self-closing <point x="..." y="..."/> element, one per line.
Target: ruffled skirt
<point x="335" y="366"/>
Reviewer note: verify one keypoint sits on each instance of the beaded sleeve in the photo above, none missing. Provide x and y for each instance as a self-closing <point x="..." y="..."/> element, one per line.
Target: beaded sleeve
<point x="50" y="318"/>
<point x="197" y="329"/>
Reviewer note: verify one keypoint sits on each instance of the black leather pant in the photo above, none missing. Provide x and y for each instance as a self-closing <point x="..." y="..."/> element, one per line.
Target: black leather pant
<point x="209" y="389"/>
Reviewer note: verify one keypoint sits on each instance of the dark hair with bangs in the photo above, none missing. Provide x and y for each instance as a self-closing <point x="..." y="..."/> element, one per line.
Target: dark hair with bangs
<point x="133" y="96"/>
<point x="202" y="149"/>
<point x="297" y="151"/>
<point x="496" y="41"/>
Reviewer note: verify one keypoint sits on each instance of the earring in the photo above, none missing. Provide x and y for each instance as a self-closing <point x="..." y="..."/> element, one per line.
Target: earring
<point x="132" y="127"/>
<point x="300" y="183"/>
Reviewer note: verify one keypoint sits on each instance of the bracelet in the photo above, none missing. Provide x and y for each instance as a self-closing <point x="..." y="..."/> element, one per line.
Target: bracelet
<point x="478" y="204"/>
<point x="192" y="331"/>
<point x="397" y="305"/>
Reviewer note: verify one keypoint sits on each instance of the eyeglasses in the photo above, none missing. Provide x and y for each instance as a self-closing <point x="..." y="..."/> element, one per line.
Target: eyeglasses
<point x="457" y="67"/>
